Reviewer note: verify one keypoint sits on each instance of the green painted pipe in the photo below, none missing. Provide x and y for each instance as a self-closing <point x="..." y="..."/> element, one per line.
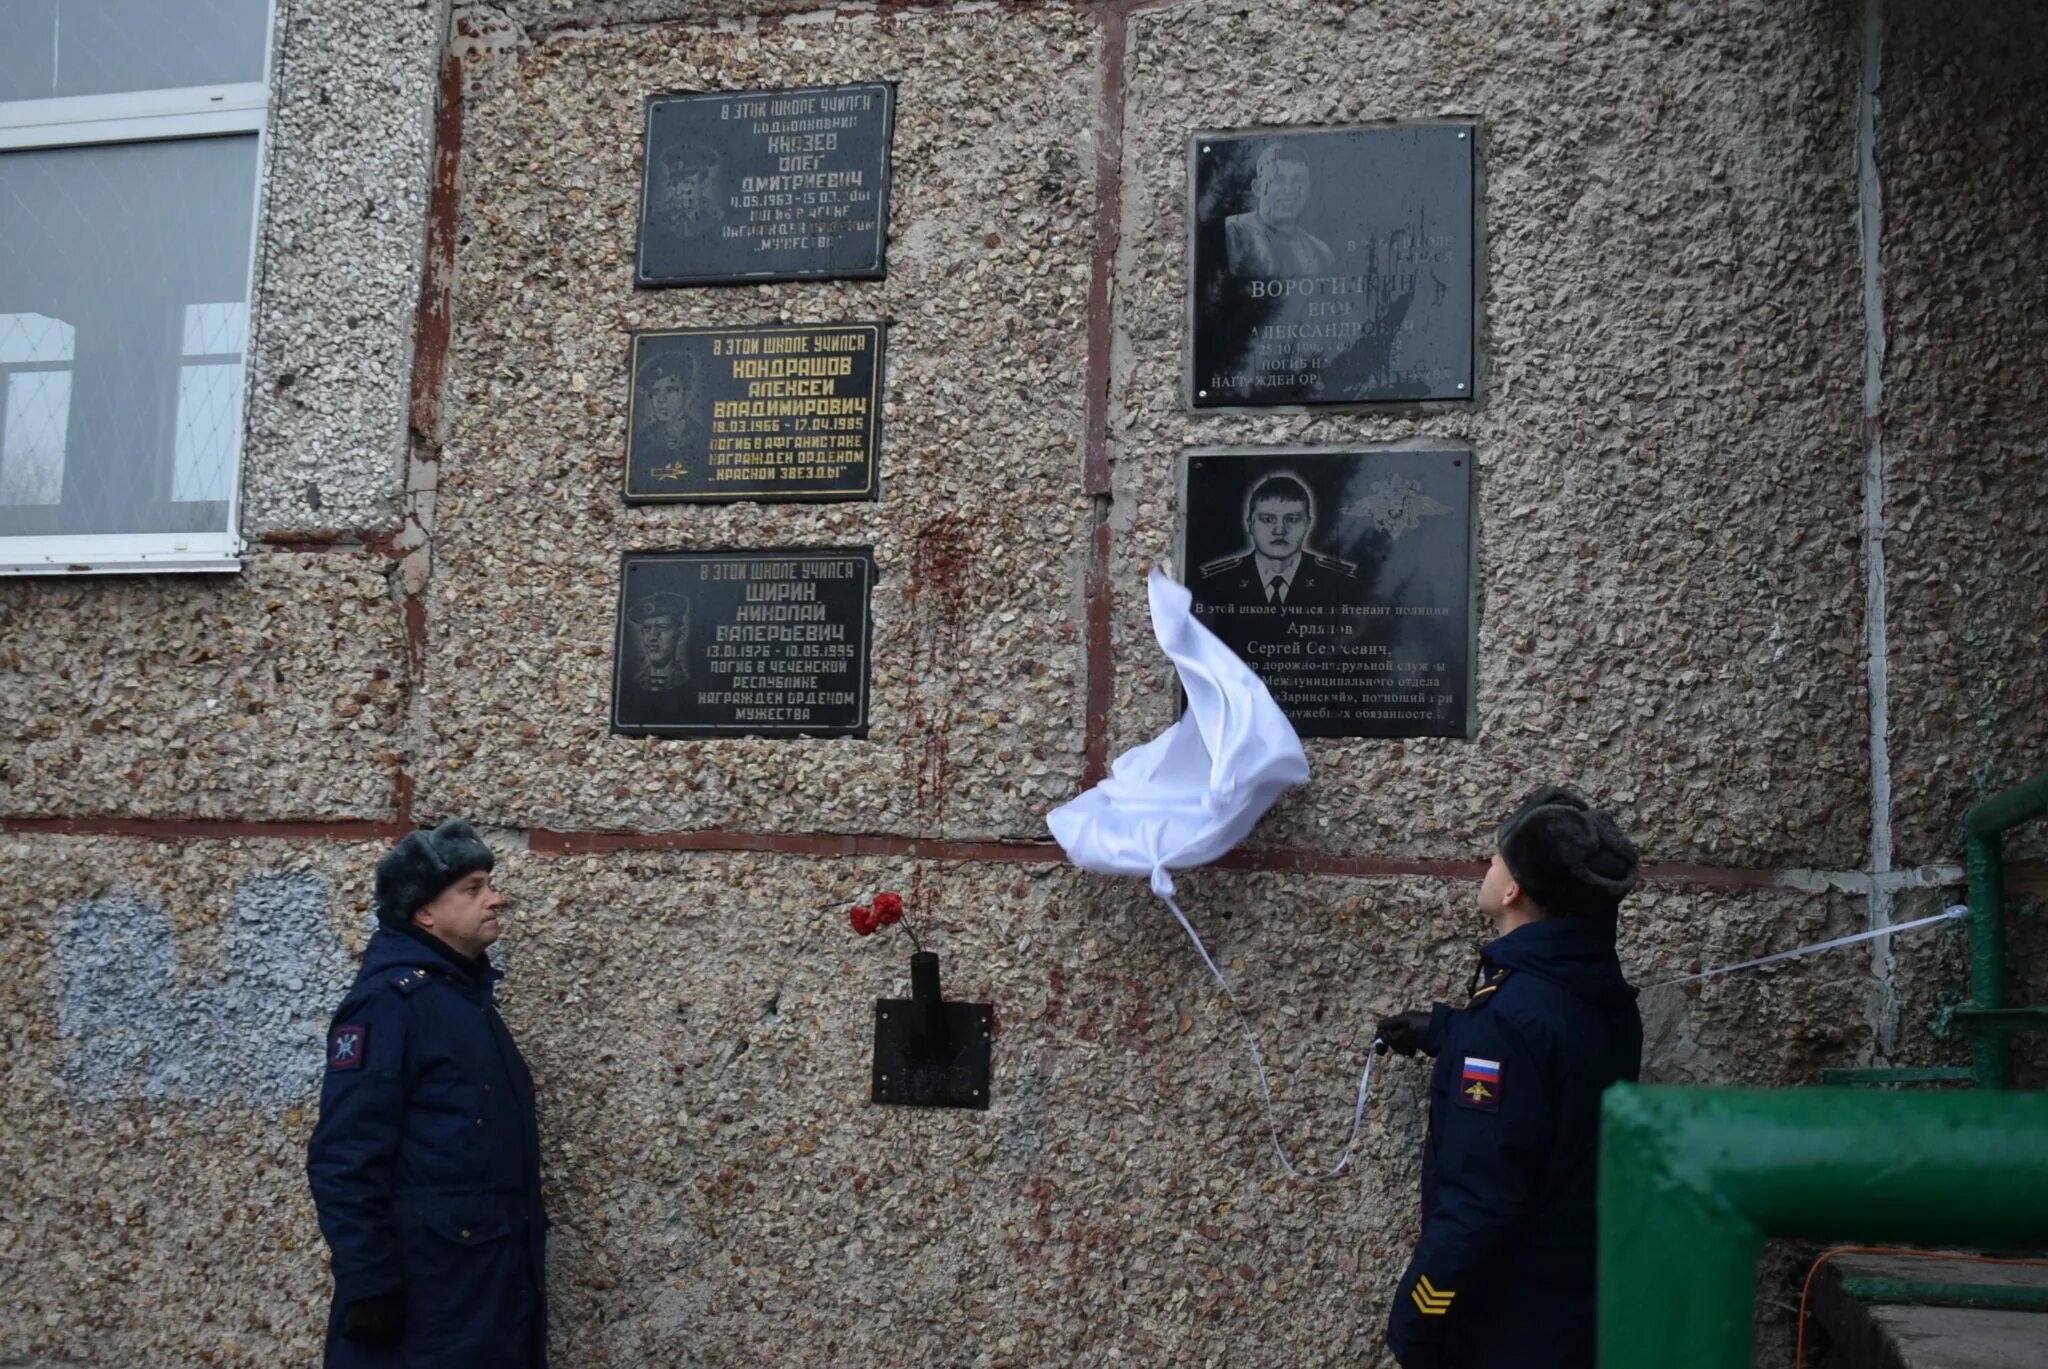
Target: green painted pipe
<point x="1989" y="1296"/>
<point x="1984" y="828"/>
<point x="1905" y="1074"/>
<point x="1693" y="1180"/>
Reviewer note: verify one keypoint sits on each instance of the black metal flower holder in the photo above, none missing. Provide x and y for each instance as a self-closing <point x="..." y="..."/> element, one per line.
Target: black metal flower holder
<point x="930" y="1053"/>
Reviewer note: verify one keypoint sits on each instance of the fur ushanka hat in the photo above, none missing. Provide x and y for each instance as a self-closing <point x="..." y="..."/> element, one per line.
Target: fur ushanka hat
<point x="412" y="873"/>
<point x="1566" y="854"/>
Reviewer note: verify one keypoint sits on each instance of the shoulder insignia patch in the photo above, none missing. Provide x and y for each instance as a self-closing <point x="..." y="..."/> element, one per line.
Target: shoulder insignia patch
<point x="1479" y="1084"/>
<point x="346" y="1046"/>
<point x="1493" y="981"/>
<point x="409" y="981"/>
<point x="1221" y="564"/>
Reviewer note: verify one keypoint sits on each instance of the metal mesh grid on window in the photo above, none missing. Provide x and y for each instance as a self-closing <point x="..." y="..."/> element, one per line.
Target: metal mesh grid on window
<point x="123" y="323"/>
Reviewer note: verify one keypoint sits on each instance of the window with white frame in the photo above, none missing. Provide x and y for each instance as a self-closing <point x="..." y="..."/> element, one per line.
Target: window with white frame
<point x="130" y="148"/>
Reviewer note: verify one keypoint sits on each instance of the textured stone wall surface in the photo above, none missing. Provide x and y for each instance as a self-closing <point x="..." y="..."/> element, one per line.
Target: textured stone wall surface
<point x="1965" y="138"/>
<point x="344" y="225"/>
<point x="274" y="694"/>
<point x="1670" y="581"/>
<point x="980" y="536"/>
<point x="719" y="1188"/>
<point x="197" y="774"/>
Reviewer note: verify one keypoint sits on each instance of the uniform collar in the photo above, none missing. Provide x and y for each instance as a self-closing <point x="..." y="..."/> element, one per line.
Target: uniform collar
<point x="476" y="971"/>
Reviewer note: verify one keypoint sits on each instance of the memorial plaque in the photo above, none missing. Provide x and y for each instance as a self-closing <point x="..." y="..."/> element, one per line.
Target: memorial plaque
<point x="732" y="643"/>
<point x="1331" y="266"/>
<point x="761" y="185"/>
<point x="769" y="413"/>
<point x="1342" y="577"/>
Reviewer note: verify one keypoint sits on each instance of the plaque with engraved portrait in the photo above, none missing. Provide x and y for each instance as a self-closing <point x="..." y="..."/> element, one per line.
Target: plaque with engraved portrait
<point x="743" y="643"/>
<point x="761" y="185"/>
<point x="775" y="413"/>
<point x="1343" y="577"/>
<point x="1331" y="266"/>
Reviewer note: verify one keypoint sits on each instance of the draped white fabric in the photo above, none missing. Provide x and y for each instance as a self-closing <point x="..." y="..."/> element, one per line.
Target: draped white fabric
<point x="1194" y="791"/>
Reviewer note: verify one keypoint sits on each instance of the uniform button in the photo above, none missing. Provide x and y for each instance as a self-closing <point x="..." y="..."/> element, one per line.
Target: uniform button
<point x="465" y="1233"/>
<point x="487" y="1088"/>
<point x="479" y="1121"/>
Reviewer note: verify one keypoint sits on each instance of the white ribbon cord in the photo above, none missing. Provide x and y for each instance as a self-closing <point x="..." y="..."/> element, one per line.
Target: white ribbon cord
<point x="1959" y="910"/>
<point x="1259" y="1063"/>
<point x="1365" y="1079"/>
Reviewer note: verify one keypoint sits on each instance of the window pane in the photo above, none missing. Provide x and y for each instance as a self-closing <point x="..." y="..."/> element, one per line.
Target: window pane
<point x="101" y="47"/>
<point x="124" y="272"/>
<point x="32" y="437"/>
<point x="209" y="432"/>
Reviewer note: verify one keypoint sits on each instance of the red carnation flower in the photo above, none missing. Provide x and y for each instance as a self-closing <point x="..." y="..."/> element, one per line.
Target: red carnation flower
<point x="863" y="919"/>
<point x="888" y="909"/>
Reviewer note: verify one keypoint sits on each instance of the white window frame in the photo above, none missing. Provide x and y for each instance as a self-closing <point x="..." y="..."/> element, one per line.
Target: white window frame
<point x="137" y="117"/>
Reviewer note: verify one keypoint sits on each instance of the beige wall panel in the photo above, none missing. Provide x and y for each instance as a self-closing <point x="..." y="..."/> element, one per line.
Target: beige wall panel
<point x="720" y="1189"/>
<point x="1963" y="153"/>
<point x="1670" y="579"/>
<point x="161" y="1014"/>
<point x="272" y="694"/>
<point x="980" y="533"/>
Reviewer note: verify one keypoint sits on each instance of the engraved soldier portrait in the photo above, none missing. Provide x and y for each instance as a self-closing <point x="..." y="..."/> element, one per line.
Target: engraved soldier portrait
<point x="1279" y="567"/>
<point x="658" y="630"/>
<point x="688" y="191"/>
<point x="668" y="386"/>
<point x="1268" y="238"/>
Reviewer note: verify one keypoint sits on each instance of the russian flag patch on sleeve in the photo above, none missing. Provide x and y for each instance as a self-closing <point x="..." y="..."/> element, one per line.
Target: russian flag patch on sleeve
<point x="1479" y="1084"/>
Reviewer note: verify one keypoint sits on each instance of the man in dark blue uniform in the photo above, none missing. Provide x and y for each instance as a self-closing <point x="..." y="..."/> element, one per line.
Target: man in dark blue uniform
<point x="1503" y="1276"/>
<point x="425" y="1165"/>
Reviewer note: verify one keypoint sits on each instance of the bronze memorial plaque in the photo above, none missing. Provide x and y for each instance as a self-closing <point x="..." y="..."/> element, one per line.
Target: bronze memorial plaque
<point x="774" y="413"/>
<point x="1332" y="265"/>
<point x="759" y="185"/>
<point x="1343" y="577"/>
<point x="738" y="643"/>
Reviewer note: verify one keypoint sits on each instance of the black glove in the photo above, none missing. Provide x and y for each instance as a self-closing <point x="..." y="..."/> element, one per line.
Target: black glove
<point x="378" y="1321"/>
<point x="1404" y="1033"/>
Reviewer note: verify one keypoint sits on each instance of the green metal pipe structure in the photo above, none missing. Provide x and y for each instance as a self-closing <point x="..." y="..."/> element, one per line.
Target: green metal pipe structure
<point x="1693" y="1180"/>
<point x="1920" y="1292"/>
<point x="1984" y="829"/>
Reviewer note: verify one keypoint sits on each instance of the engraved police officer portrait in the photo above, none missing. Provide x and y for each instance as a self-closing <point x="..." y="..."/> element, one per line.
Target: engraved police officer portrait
<point x="1279" y="568"/>
<point x="658" y="628"/>
<point x="1268" y="238"/>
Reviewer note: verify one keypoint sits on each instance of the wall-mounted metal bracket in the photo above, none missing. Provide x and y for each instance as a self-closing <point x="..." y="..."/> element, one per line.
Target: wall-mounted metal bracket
<point x="930" y="1053"/>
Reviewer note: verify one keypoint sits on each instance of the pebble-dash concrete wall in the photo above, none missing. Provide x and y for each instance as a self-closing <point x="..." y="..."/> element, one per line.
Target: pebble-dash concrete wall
<point x="1704" y="501"/>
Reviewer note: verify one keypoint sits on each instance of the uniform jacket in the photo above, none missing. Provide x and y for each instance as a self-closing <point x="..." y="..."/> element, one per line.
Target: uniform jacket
<point x="1503" y="1277"/>
<point x="425" y="1165"/>
<point x="1319" y="582"/>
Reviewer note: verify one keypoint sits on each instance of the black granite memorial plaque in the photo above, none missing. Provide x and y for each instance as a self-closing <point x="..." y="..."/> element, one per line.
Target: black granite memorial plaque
<point x="1331" y="266"/>
<point x="731" y="643"/>
<point x="1368" y="632"/>
<point x="760" y="185"/>
<point x="769" y="413"/>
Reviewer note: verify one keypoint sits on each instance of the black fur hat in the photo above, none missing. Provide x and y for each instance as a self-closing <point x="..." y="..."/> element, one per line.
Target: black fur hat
<point x="412" y="873"/>
<point x="1566" y="854"/>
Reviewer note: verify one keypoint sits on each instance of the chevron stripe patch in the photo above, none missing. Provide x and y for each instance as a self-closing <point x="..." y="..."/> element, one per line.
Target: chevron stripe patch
<point x="1433" y="1301"/>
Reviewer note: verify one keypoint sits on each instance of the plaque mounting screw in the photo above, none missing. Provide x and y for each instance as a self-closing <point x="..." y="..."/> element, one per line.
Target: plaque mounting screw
<point x="1461" y="137"/>
<point x="1201" y="394"/>
<point x="1461" y="384"/>
<point x="1205" y="147"/>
